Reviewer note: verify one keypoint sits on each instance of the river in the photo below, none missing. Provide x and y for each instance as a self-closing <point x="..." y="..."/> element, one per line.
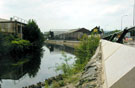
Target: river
<point x="14" y="75"/>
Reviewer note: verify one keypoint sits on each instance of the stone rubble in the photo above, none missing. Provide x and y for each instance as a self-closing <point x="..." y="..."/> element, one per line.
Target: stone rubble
<point x="42" y="84"/>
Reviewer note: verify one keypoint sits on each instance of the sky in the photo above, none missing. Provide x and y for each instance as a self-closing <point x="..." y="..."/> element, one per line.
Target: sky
<point x="62" y="15"/>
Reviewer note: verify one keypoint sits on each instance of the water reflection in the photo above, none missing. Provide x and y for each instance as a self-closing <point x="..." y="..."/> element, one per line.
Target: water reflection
<point x="56" y="48"/>
<point x="14" y="67"/>
<point x="30" y="67"/>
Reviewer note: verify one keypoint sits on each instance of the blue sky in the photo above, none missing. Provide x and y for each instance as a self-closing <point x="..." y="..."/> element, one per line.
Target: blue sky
<point x="60" y="15"/>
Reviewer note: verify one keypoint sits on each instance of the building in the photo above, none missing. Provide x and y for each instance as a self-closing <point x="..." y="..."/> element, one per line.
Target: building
<point x="74" y="34"/>
<point x="97" y="30"/>
<point x="12" y="26"/>
<point x="57" y="33"/>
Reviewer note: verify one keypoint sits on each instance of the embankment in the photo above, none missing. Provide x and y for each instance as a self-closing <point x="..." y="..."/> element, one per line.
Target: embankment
<point x="112" y="66"/>
<point x="63" y="42"/>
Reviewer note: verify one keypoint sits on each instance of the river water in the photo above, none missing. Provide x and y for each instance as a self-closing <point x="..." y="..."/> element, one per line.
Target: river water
<point x="13" y="75"/>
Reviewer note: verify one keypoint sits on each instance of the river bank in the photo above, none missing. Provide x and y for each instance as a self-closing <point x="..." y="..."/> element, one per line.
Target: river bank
<point x="84" y="72"/>
<point x="63" y="42"/>
<point x="90" y="77"/>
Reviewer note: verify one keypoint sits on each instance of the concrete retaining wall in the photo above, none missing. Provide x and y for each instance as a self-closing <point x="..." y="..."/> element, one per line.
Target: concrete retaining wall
<point x="118" y="65"/>
<point x="64" y="42"/>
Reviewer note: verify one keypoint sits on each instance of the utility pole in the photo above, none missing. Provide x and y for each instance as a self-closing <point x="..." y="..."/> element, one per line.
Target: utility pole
<point x="134" y="14"/>
<point x="122" y="20"/>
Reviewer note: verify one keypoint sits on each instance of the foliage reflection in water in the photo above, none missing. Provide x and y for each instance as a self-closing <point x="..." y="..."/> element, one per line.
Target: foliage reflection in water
<point x="29" y="67"/>
<point x="67" y="49"/>
<point x="14" y="67"/>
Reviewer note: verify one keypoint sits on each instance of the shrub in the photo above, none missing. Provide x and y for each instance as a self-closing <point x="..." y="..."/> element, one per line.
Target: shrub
<point x="83" y="52"/>
<point x="55" y="85"/>
<point x="5" y="43"/>
<point x="86" y="49"/>
<point x="46" y="84"/>
<point x="19" y="46"/>
<point x="61" y="83"/>
<point x="65" y="67"/>
<point x="21" y="42"/>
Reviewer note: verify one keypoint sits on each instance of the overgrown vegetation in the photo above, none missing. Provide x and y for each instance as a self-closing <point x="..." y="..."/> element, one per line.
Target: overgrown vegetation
<point x="83" y="52"/>
<point x="32" y="39"/>
<point x="65" y="67"/>
<point x="26" y="52"/>
<point x="19" y="46"/>
<point x="5" y="43"/>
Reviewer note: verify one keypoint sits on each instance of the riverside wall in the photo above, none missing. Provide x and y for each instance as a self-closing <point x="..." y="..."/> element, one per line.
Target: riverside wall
<point x="112" y="66"/>
<point x="63" y="42"/>
<point x="118" y="63"/>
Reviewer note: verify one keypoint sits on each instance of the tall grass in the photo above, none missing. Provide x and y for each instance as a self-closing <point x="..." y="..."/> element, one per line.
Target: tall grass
<point x="85" y="50"/>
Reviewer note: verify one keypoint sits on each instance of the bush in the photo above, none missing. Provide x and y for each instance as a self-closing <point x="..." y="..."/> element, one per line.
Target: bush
<point x="46" y="84"/>
<point x="65" y="67"/>
<point x="55" y="85"/>
<point x="21" y="42"/>
<point x="86" y="49"/>
<point x="19" y="46"/>
<point x="5" y="43"/>
<point x="61" y="83"/>
<point x="83" y="52"/>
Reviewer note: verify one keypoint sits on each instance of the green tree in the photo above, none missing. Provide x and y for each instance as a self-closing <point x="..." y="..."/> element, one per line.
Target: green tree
<point x="0" y="28"/>
<point x="33" y="33"/>
<point x="5" y="43"/>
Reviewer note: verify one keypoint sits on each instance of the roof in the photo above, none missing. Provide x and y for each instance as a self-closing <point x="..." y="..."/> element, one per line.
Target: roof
<point x="75" y="30"/>
<point x="1" y="20"/>
<point x="10" y="21"/>
<point x="66" y="32"/>
<point x="58" y="32"/>
<point x="72" y="30"/>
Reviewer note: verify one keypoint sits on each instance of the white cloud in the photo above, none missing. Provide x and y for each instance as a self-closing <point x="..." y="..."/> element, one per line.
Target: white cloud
<point x="111" y="9"/>
<point x="1" y="8"/>
<point x="68" y="13"/>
